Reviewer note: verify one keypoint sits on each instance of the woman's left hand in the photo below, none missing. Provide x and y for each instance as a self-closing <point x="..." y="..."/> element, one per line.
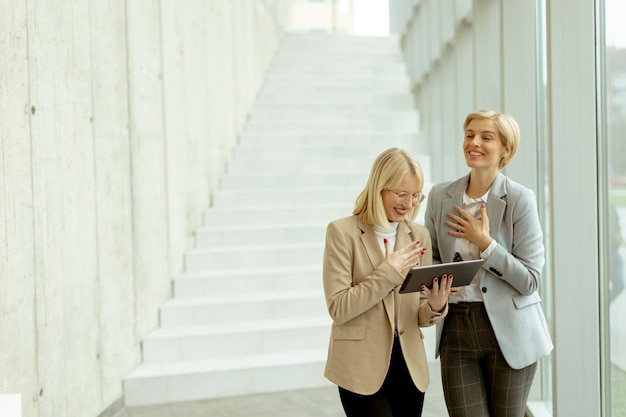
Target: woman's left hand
<point x="438" y="295"/>
<point x="468" y="227"/>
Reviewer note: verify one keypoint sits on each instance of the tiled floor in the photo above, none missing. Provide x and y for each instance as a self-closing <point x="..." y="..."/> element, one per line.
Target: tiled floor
<point x="319" y="402"/>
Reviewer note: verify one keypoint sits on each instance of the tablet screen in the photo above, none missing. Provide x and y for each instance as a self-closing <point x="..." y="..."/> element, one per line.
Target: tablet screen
<point x="463" y="273"/>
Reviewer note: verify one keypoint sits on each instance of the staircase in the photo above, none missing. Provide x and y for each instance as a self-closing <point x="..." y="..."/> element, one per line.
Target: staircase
<point x="248" y="313"/>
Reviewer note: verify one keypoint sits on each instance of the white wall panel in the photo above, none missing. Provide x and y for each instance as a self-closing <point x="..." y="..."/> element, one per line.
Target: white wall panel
<point x="520" y="85"/>
<point x="487" y="55"/>
<point x="464" y="79"/>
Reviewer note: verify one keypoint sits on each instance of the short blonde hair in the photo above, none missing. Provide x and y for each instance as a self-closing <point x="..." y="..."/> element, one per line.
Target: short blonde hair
<point x="507" y="128"/>
<point x="387" y="172"/>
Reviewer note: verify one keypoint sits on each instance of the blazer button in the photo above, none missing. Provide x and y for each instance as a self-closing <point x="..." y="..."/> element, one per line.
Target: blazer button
<point x="484" y="289"/>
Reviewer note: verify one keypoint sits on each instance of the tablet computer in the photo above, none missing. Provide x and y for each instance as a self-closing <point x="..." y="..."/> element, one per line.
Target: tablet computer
<point x="463" y="273"/>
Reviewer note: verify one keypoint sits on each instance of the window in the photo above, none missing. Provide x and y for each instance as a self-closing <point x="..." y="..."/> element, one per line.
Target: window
<point x="612" y="136"/>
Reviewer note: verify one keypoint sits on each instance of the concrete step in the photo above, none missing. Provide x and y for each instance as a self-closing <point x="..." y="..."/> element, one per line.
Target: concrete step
<point x="341" y="68"/>
<point x="169" y="382"/>
<point x="223" y="340"/>
<point x="348" y="83"/>
<point x="337" y="61"/>
<point x="373" y="139"/>
<point x="221" y="258"/>
<point x="247" y="280"/>
<point x="337" y="52"/>
<point x="296" y="195"/>
<point x="274" y="214"/>
<point x="209" y="310"/>
<point x="365" y="99"/>
<point x="406" y="122"/>
<point x="313" y="164"/>
<point x="307" y="117"/>
<point x="362" y="104"/>
<point x="290" y="151"/>
<point x="245" y="181"/>
<point x="302" y="165"/>
<point x="316" y="41"/>
<point x="263" y="234"/>
<point x="404" y="125"/>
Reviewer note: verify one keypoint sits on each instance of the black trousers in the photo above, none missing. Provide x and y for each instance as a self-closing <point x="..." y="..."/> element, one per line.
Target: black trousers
<point x="398" y="397"/>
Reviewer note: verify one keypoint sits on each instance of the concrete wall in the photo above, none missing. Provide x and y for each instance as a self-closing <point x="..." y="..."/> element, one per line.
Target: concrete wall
<point x="116" y="119"/>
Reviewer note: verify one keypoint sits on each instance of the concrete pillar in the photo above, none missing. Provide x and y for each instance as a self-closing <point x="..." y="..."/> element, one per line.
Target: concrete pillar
<point x="147" y="149"/>
<point x="64" y="206"/>
<point x="114" y="295"/>
<point x="17" y="255"/>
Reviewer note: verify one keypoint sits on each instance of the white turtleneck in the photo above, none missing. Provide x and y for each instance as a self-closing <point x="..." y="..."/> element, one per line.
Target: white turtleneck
<point x="389" y="234"/>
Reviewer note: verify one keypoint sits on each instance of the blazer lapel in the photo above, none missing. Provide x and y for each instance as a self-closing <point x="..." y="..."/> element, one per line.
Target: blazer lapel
<point x="370" y="243"/>
<point x="403" y="238"/>
<point x="455" y="198"/>
<point x="496" y="204"/>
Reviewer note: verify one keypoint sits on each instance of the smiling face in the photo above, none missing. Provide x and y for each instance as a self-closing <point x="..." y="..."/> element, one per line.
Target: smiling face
<point x="482" y="147"/>
<point x="397" y="208"/>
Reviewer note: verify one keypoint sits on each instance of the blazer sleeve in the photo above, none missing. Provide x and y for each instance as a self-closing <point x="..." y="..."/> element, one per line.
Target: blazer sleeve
<point x="345" y="298"/>
<point x="521" y="262"/>
<point x="426" y="316"/>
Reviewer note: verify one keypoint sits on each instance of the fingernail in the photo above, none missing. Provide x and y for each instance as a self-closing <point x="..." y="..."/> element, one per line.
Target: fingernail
<point x="385" y="240"/>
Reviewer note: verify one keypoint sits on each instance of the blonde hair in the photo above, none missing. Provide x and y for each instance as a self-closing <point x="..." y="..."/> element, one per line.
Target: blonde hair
<point x="387" y="172"/>
<point x="507" y="128"/>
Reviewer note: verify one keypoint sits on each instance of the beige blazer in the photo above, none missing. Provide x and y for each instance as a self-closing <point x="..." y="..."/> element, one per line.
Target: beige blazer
<point x="359" y="286"/>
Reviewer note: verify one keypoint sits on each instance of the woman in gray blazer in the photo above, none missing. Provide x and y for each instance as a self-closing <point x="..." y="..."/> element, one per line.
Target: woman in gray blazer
<point x="495" y="331"/>
<point x="376" y="352"/>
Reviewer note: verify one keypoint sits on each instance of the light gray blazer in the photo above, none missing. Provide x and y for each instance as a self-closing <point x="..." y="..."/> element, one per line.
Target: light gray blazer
<point x="509" y="278"/>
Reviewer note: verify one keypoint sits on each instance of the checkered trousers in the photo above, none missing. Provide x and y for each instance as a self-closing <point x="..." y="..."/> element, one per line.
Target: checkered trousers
<point x="477" y="381"/>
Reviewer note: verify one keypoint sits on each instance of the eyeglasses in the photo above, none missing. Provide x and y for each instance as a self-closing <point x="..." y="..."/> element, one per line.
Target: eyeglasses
<point x="403" y="196"/>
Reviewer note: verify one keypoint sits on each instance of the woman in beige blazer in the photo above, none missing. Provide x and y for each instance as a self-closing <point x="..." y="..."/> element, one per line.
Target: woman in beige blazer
<point x="376" y="351"/>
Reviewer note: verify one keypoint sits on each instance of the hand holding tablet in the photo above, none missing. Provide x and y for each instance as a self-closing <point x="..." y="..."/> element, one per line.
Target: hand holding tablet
<point x="463" y="273"/>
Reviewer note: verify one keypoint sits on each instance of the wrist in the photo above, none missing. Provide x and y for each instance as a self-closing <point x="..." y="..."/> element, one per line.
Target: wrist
<point x="437" y="310"/>
<point x="484" y="244"/>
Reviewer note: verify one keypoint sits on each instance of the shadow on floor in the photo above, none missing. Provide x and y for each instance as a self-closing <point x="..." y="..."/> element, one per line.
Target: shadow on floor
<point x="318" y="402"/>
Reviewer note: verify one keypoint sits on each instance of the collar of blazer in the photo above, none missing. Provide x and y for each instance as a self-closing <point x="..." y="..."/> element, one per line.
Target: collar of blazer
<point x="372" y="246"/>
<point x="496" y="205"/>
